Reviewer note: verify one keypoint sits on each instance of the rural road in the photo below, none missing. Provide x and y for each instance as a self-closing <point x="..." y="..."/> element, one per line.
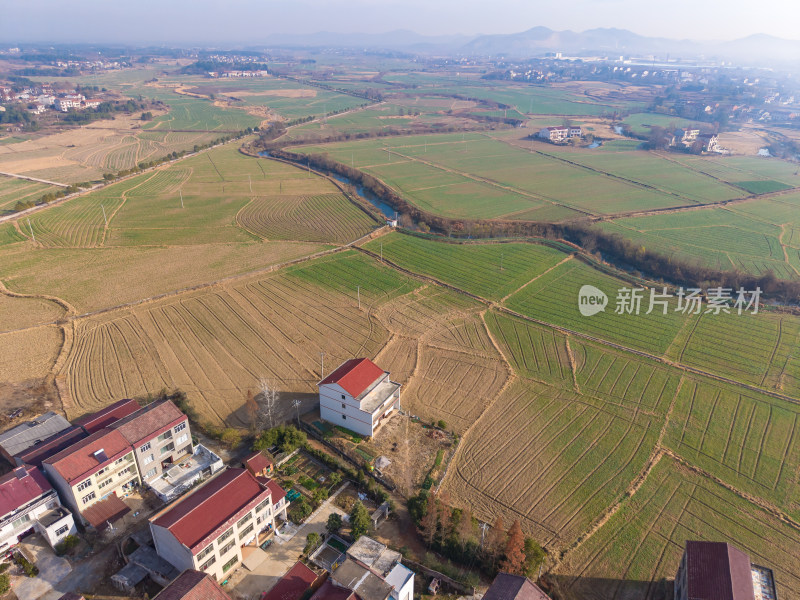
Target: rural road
<point x="16" y="175"/>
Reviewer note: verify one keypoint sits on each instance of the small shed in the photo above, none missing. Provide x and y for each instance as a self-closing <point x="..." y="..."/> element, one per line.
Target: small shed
<point x="380" y="515"/>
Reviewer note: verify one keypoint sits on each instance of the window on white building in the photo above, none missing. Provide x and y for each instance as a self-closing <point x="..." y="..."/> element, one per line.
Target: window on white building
<point x="103" y="484"/>
<point x="182" y="439"/>
<point x="151" y="473"/>
<point x="149" y="459"/>
<point x="84" y="484"/>
<point x="89" y="497"/>
<point x="180" y="427"/>
<point x="146" y="447"/>
<point x="62" y="530"/>
<point x="344" y="417"/>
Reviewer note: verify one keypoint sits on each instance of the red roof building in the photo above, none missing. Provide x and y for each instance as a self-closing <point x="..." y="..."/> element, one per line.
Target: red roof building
<point x="358" y="396"/>
<point x="159" y="434"/>
<point x="28" y="502"/>
<point x="720" y="571"/>
<point x="192" y="585"/>
<point x="293" y="585"/>
<point x="258" y="464"/>
<point x="330" y="591"/>
<point x="355" y="375"/>
<point x="514" y="587"/>
<point x="92" y="469"/>
<point x="112" y="413"/>
<point x="206" y="528"/>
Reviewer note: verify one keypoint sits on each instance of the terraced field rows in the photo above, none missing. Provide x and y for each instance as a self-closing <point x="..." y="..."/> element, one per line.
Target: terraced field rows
<point x="324" y="217"/>
<point x="637" y="553"/>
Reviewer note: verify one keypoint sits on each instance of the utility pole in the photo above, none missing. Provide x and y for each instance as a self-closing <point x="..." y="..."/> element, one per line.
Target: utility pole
<point x="501" y="261"/>
<point x="483" y="528"/>
<point x="296" y="404"/>
<point x="181" y="193"/>
<point x="358" y="291"/>
<point x="104" y="215"/>
<point x="322" y="356"/>
<point x="31" y="228"/>
<point x="250" y="181"/>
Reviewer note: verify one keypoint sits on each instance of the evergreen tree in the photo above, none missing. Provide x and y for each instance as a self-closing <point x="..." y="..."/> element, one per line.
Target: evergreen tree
<point x="359" y="520"/>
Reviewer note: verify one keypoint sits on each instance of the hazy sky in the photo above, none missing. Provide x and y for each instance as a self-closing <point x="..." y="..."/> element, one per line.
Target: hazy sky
<point x="251" y="21"/>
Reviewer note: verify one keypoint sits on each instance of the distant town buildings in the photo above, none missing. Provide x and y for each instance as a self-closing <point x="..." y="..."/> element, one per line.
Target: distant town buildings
<point x="720" y="571"/>
<point x="358" y="395"/>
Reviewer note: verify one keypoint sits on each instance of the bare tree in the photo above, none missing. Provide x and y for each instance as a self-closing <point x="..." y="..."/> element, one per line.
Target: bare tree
<point x="267" y="400"/>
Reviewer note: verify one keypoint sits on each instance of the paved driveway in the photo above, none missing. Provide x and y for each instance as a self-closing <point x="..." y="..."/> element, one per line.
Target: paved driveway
<point x="281" y="556"/>
<point x="52" y="570"/>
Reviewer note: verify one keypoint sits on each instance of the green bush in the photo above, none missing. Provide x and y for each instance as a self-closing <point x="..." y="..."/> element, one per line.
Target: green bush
<point x="441" y="424"/>
<point x="334" y="523"/>
<point x="4" y="567"/>
<point x="67" y="544"/>
<point x="5" y="584"/>
<point x="312" y="542"/>
<point x="299" y="511"/>
<point x="28" y="567"/>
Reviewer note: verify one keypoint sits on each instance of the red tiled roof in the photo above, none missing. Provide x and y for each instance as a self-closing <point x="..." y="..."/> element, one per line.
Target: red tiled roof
<point x="17" y="491"/>
<point x="106" y="511"/>
<point x="277" y="491"/>
<point x="292" y="585"/>
<point x="256" y="463"/>
<point x="51" y="446"/>
<point x="79" y="460"/>
<point x="199" y="514"/>
<point x="514" y="587"/>
<point x="110" y="414"/>
<point x="192" y="585"/>
<point x="718" y="571"/>
<point x="149" y="421"/>
<point x="355" y="375"/>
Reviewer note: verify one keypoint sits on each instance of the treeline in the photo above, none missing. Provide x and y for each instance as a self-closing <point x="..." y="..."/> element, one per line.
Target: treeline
<point x="111" y="177"/>
<point x="105" y="110"/>
<point x="610" y="247"/>
<point x="454" y="533"/>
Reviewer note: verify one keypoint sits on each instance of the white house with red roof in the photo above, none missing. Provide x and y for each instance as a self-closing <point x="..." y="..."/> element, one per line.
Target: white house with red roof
<point x="206" y="529"/>
<point x="29" y="503"/>
<point x="358" y="396"/>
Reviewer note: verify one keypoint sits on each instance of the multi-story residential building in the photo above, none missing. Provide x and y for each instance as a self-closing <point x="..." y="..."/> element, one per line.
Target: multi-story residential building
<point x="28" y="502"/>
<point x="110" y="414"/>
<point x="358" y="395"/>
<point x="98" y="468"/>
<point x="160" y="436"/>
<point x="18" y="439"/>
<point x="719" y="571"/>
<point x="206" y="529"/>
<point x="554" y="134"/>
<point x="36" y="455"/>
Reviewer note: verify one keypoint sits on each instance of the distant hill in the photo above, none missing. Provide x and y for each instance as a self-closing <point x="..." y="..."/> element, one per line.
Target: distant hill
<point x="611" y="41"/>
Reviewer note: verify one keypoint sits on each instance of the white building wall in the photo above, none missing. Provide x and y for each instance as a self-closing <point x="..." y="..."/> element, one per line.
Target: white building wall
<point x="335" y="403"/>
<point x="170" y="549"/>
<point x="55" y="532"/>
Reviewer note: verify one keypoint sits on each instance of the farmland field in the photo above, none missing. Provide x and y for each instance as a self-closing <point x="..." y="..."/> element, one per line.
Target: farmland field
<point x="637" y="552"/>
<point x="489" y="270"/>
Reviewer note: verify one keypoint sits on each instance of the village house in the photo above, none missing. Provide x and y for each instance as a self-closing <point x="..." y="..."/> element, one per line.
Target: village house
<point x="36" y="455"/>
<point x="18" y="439"/>
<point x="97" y="470"/>
<point x="207" y="528"/>
<point x="514" y="587"/>
<point x="371" y="571"/>
<point x="559" y="133"/>
<point x="358" y="396"/>
<point x="160" y="436"/>
<point x="710" y="142"/>
<point x="192" y="585"/>
<point x="28" y="503"/>
<point x="294" y="585"/>
<point x="719" y="571"/>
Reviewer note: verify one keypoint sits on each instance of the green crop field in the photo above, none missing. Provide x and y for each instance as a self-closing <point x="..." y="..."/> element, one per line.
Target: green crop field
<point x="201" y="115"/>
<point x="322" y="218"/>
<point x="637" y="552"/>
<point x="488" y="270"/>
<point x="13" y="190"/>
<point x="641" y="123"/>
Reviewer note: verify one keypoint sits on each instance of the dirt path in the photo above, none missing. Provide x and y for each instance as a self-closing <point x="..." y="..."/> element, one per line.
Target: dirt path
<point x="36" y="179"/>
<point x="524" y="285"/>
<point x="783" y="247"/>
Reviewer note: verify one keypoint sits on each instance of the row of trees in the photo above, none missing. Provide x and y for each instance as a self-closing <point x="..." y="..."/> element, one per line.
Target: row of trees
<point x="455" y="533"/>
